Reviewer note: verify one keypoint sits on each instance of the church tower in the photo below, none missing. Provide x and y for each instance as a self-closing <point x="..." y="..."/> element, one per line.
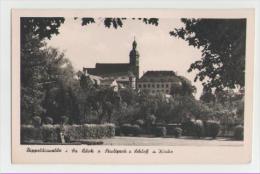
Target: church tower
<point x="134" y="60"/>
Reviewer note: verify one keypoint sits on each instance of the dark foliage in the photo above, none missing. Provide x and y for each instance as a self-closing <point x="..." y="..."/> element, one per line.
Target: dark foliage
<point x="239" y="132"/>
<point x="159" y="131"/>
<point x="118" y="22"/>
<point x="223" y="50"/>
<point x="178" y="132"/>
<point x="128" y="129"/>
<point x="212" y="128"/>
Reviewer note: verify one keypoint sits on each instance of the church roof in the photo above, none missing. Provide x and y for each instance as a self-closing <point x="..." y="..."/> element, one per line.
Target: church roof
<point x="109" y="68"/>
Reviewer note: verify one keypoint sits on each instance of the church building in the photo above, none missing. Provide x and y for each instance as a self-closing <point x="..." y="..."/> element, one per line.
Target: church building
<point x="125" y="74"/>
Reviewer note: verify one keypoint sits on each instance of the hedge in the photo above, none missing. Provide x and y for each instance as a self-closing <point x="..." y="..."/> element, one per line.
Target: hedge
<point x="128" y="129"/>
<point x="159" y="131"/>
<point x="29" y="132"/>
<point x="239" y="132"/>
<point x="212" y="128"/>
<point x="51" y="133"/>
<point x="177" y="132"/>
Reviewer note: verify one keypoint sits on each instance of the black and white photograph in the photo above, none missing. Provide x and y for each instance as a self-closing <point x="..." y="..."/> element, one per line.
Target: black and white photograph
<point x="117" y="80"/>
<point x="132" y="81"/>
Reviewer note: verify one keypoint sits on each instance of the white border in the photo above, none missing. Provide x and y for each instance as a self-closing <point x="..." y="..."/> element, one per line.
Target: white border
<point x="5" y="84"/>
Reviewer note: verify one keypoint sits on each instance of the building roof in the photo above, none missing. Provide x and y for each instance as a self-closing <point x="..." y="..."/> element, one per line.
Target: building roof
<point x="108" y="82"/>
<point x="109" y="68"/>
<point x="160" y="76"/>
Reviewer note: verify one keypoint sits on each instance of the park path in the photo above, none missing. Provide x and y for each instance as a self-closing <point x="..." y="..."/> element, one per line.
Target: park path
<point x="159" y="141"/>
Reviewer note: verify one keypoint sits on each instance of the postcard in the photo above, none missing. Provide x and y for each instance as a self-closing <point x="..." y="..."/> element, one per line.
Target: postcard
<point x="132" y="86"/>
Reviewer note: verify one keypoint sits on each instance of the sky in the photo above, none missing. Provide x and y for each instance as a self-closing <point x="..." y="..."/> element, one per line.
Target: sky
<point x="87" y="45"/>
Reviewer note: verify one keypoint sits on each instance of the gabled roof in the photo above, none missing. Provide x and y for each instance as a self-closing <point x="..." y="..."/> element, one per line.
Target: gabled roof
<point x="160" y="76"/>
<point x="109" y="68"/>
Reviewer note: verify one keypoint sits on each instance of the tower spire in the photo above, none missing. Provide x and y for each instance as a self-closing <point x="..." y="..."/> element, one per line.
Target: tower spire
<point x="134" y="59"/>
<point x="134" y="44"/>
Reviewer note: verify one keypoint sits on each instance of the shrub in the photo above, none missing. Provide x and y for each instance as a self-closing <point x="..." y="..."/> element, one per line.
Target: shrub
<point x="128" y="129"/>
<point x="171" y="128"/>
<point x="75" y="132"/>
<point x="140" y="122"/>
<point x="239" y="132"/>
<point x="117" y="131"/>
<point x="159" y="131"/>
<point x="64" y="120"/>
<point x="99" y="131"/>
<point x="177" y="132"/>
<point x="29" y="132"/>
<point x="36" y="121"/>
<point x="212" y="128"/>
<point x="136" y="130"/>
<point x="151" y="119"/>
<point x="188" y="128"/>
<point x="48" y="120"/>
<point x="50" y="133"/>
<point x="198" y="128"/>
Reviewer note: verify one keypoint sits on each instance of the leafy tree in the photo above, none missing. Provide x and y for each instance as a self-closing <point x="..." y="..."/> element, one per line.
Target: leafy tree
<point x="117" y="22"/>
<point x="40" y="27"/>
<point x="184" y="89"/>
<point x="207" y="96"/>
<point x="222" y="42"/>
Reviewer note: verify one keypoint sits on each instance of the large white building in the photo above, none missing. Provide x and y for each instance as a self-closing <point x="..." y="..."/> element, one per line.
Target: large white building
<point x="158" y="82"/>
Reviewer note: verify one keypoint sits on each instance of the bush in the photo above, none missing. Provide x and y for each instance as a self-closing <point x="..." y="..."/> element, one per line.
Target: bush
<point x="159" y="131"/>
<point x="128" y="129"/>
<point x="140" y="122"/>
<point x="239" y="132"/>
<point x="48" y="120"/>
<point x="151" y="119"/>
<point x="36" y="121"/>
<point x="177" y="132"/>
<point x="29" y="132"/>
<point x="188" y="128"/>
<point x="99" y="131"/>
<point x="136" y="130"/>
<point x="212" y="128"/>
<point x="75" y="132"/>
<point x="171" y="128"/>
<point x="198" y="128"/>
<point x="50" y="133"/>
<point x="117" y="131"/>
<point x="64" y="120"/>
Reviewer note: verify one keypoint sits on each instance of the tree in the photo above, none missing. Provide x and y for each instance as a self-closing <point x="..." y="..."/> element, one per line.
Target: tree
<point x="185" y="88"/>
<point x="207" y="96"/>
<point x="222" y="42"/>
<point x="40" y="27"/>
<point x="117" y="22"/>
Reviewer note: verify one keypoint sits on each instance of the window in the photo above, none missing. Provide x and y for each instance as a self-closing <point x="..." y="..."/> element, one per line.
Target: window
<point x="166" y="85"/>
<point x="167" y="91"/>
<point x="148" y="85"/>
<point x="153" y="85"/>
<point x="140" y="86"/>
<point x="144" y="85"/>
<point x="162" y="85"/>
<point x="158" y="85"/>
